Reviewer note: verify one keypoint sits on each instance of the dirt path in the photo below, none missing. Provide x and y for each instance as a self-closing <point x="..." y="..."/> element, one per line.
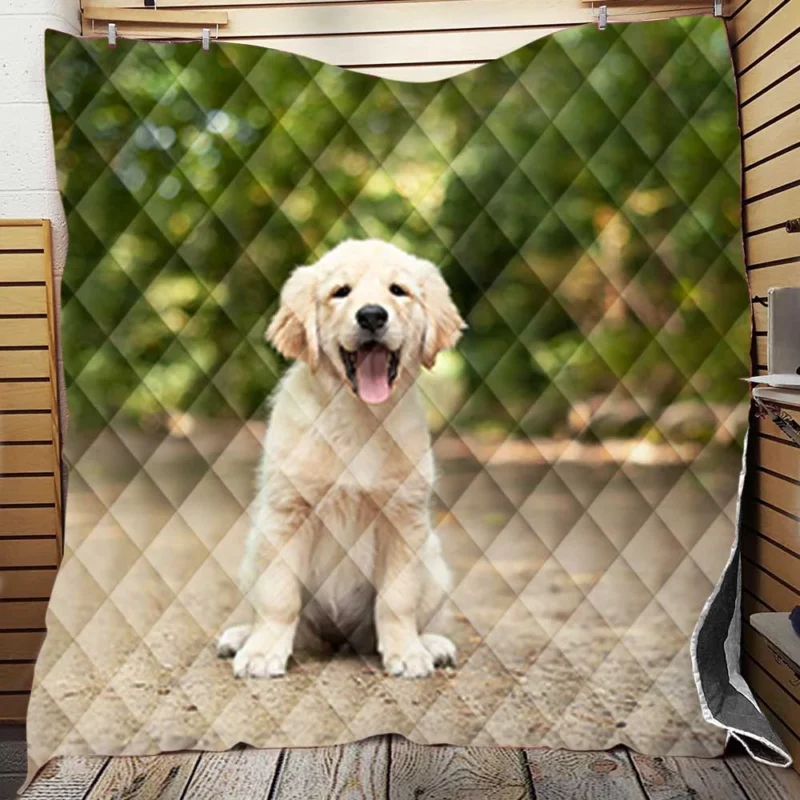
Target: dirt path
<point x="577" y="588"/>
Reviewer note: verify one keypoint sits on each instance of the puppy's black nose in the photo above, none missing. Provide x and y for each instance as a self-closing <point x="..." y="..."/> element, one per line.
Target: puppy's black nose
<point x="372" y="318"/>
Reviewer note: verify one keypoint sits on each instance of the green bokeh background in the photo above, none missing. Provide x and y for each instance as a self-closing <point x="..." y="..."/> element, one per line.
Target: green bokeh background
<point x="581" y="196"/>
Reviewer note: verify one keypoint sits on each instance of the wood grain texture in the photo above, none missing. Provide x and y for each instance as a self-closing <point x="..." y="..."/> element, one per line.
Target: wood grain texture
<point x="774" y="525"/>
<point x="163" y="777"/>
<point x="776" y="27"/>
<point x="21" y="235"/>
<point x="14" y="708"/>
<point x="20" y="645"/>
<point x="778" y="455"/>
<point x="751" y="605"/>
<point x="28" y="553"/>
<point x="338" y="773"/>
<point x="21" y="267"/>
<point x="28" y="522"/>
<point x="679" y="778"/>
<point x="759" y="650"/>
<point x="779" y="135"/>
<point x="761" y="783"/>
<point x="20" y="300"/>
<point x="771" y="209"/>
<point x="776" y="491"/>
<point x="766" y="688"/>
<point x="25" y="614"/>
<point x="66" y="778"/>
<point x="762" y="280"/>
<point x="24" y="331"/>
<point x="72" y="778"/>
<point x="26" y="396"/>
<point x="238" y="775"/>
<point x="468" y="773"/>
<point x="16" y="677"/>
<point x="790" y="741"/>
<point x="775" y="595"/>
<point x="752" y="14"/>
<point x="97" y="11"/>
<point x="772" y="246"/>
<point x="24" y="363"/>
<point x="566" y="775"/>
<point x="26" y="584"/>
<point x="26" y="458"/>
<point x="777" y="100"/>
<point x="757" y="77"/>
<point x="771" y="176"/>
<point x="27" y="489"/>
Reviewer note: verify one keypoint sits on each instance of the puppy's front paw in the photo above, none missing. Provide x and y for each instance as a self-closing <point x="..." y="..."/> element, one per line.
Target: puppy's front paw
<point x="258" y="665"/>
<point x="414" y="662"/>
<point x="262" y="657"/>
<point x="442" y="650"/>
<point x="232" y="640"/>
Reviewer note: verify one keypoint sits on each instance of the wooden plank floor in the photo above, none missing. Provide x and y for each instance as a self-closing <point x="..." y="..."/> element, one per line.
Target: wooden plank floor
<point x="392" y="768"/>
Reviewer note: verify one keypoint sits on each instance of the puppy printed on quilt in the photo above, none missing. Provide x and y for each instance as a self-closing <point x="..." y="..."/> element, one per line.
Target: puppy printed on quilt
<point x="342" y="550"/>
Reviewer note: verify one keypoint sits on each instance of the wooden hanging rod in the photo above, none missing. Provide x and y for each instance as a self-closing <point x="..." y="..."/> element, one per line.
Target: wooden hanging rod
<point x="155" y="16"/>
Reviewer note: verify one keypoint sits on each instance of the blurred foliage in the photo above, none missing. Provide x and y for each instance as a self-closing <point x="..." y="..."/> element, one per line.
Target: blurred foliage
<point x="580" y="195"/>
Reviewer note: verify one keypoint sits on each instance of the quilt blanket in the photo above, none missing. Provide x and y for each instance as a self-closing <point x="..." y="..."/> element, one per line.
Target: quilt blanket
<point x="506" y="321"/>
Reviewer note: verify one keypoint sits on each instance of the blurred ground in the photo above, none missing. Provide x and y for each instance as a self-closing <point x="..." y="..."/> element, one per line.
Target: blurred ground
<point x="577" y="588"/>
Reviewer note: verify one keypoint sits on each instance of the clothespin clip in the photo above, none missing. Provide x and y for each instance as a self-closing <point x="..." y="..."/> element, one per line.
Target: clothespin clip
<point x="602" y="18"/>
<point x="112" y="34"/>
<point x="206" y="39"/>
<point x="717" y="8"/>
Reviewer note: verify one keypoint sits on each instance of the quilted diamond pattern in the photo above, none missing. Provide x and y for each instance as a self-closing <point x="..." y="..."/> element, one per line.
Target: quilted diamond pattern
<point x="582" y="197"/>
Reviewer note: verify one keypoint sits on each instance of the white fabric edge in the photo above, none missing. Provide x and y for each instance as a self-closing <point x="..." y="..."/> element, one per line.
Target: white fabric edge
<point x="740" y="735"/>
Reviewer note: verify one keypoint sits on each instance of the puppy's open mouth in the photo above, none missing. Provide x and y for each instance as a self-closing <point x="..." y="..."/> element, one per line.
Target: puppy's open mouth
<point x="371" y="370"/>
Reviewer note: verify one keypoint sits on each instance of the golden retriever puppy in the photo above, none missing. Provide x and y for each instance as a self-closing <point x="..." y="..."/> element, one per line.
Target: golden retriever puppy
<point x="342" y="548"/>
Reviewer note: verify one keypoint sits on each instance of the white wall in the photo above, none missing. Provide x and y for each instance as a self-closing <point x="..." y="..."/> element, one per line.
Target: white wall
<point x="28" y="187"/>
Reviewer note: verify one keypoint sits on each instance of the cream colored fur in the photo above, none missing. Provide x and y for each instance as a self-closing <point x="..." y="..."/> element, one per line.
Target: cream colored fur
<point x="342" y="547"/>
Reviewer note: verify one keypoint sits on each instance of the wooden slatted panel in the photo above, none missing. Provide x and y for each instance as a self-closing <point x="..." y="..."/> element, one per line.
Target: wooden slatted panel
<point x="20" y="645"/>
<point x="771" y="693"/>
<point x="433" y="39"/>
<point x="773" y="247"/>
<point x="14" y="707"/>
<point x="756" y="35"/>
<point x="766" y="278"/>
<point x="16" y="677"/>
<point x="30" y="544"/>
<point x="769" y="210"/>
<point x="24" y="614"/>
<point x="771" y="592"/>
<point x="759" y="650"/>
<point x="27" y="553"/>
<point x="780" y="563"/>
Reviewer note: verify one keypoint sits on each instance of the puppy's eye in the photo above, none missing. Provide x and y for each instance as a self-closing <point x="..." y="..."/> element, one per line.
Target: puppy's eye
<point x="397" y="290"/>
<point x="341" y="292"/>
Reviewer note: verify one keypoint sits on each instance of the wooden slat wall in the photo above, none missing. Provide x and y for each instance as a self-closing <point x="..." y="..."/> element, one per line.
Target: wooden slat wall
<point x="30" y="483"/>
<point x="765" y="44"/>
<point x="419" y="40"/>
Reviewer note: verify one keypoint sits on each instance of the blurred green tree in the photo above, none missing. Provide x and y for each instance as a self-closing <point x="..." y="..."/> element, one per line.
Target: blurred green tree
<point x="581" y="195"/>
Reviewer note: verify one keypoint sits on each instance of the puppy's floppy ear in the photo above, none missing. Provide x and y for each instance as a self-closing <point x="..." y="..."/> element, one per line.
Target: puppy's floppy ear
<point x="293" y="328"/>
<point x="443" y="323"/>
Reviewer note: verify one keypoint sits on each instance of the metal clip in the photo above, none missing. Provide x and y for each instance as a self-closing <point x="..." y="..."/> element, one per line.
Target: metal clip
<point x="717" y="8"/>
<point x="602" y="18"/>
<point x="793" y="225"/>
<point x="112" y="34"/>
<point x="206" y="39"/>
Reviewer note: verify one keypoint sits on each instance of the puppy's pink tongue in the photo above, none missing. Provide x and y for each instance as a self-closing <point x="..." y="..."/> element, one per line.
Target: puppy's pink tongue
<point x="372" y="376"/>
